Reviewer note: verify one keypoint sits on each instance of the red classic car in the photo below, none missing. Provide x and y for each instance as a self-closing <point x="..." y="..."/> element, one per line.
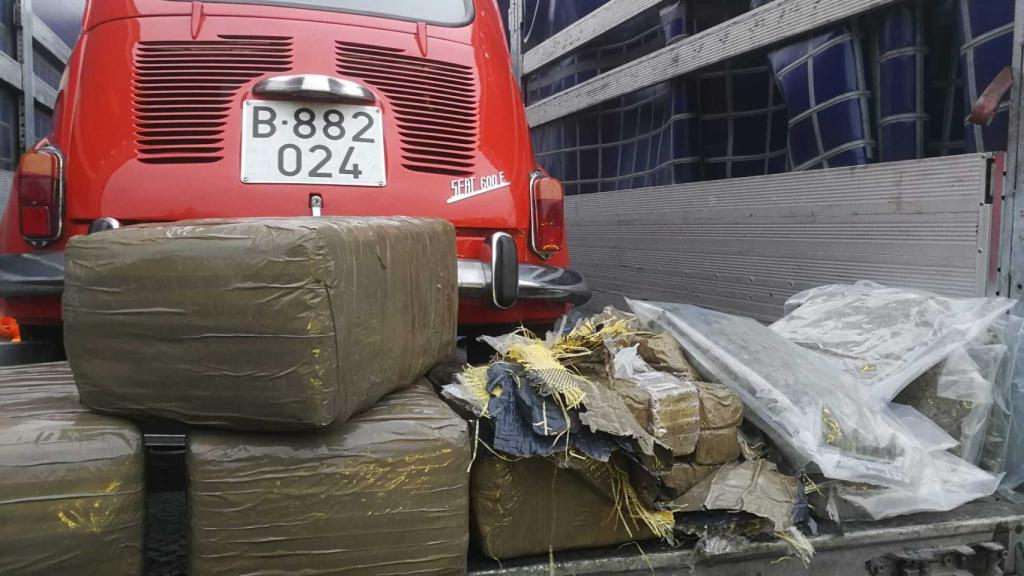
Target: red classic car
<point x="173" y="110"/>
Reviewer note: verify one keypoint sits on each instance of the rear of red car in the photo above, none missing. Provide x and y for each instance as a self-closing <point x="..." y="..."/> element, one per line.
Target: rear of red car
<point x="173" y="110"/>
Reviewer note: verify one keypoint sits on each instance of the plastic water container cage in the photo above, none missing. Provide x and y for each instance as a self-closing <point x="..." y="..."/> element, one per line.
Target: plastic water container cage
<point x="887" y="86"/>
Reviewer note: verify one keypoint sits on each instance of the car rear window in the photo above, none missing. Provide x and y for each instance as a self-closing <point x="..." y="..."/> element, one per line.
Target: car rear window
<point x="443" y="12"/>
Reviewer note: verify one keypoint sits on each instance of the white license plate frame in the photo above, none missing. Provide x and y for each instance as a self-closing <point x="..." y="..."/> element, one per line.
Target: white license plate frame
<point x="312" y="144"/>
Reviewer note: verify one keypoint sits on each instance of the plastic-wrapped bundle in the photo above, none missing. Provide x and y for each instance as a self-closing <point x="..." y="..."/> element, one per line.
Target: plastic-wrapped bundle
<point x="958" y="395"/>
<point x="1008" y="416"/>
<point x="900" y="51"/>
<point x="646" y="138"/>
<point x="823" y="83"/>
<point x="742" y="114"/>
<point x="267" y="324"/>
<point x="71" y="482"/>
<point x="817" y="413"/>
<point x="385" y="493"/>
<point x="987" y="48"/>
<point x="885" y="337"/>
<point x="530" y="506"/>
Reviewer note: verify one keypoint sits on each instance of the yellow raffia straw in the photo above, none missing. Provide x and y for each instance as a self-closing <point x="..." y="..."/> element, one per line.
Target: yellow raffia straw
<point x="556" y="379"/>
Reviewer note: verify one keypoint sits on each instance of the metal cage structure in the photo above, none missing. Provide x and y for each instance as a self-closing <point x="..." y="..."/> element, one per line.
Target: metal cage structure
<point x="744" y="245"/>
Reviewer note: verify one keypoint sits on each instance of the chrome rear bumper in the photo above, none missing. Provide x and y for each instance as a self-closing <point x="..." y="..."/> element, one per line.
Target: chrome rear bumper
<point x="476" y="280"/>
<point x="501" y="279"/>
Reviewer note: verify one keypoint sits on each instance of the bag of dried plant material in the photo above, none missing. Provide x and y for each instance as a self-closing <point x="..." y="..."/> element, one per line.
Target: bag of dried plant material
<point x="266" y="324"/>
<point x="386" y="493"/>
<point x="71" y="482"/>
<point x="531" y="506"/>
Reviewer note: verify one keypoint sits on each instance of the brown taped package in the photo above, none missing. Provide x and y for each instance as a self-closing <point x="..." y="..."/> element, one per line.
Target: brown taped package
<point x="385" y="493"/>
<point x="71" y="482"/>
<point x="529" y="507"/>
<point x="272" y="324"/>
<point x="673" y="411"/>
<point x="717" y="446"/>
<point x="719" y="407"/>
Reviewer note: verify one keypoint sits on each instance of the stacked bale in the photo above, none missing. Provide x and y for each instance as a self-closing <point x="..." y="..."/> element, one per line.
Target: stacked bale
<point x="276" y="324"/>
<point x="268" y="326"/>
<point x="71" y="482"/>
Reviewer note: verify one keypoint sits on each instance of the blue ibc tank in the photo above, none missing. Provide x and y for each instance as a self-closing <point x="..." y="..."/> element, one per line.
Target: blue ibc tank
<point x="646" y="138"/>
<point x="987" y="34"/>
<point x="824" y="85"/>
<point x="899" y="57"/>
<point x="742" y="114"/>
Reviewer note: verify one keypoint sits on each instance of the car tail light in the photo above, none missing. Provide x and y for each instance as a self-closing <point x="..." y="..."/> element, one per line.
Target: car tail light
<point x="40" y="186"/>
<point x="548" y="211"/>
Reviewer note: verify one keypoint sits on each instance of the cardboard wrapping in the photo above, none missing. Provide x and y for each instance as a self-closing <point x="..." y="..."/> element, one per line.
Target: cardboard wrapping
<point x="530" y="507"/>
<point x="673" y="408"/>
<point x="385" y="493"/>
<point x="753" y="486"/>
<point x="269" y="324"/>
<point x="685" y="475"/>
<point x="71" y="483"/>
<point x="717" y="447"/>
<point x="719" y="407"/>
<point x="664" y="353"/>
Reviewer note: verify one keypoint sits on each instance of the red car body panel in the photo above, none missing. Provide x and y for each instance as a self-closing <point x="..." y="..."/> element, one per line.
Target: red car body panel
<point x="96" y="127"/>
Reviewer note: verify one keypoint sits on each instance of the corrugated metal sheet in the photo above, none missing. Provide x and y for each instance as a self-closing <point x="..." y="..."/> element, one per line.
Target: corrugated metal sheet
<point x="745" y="245"/>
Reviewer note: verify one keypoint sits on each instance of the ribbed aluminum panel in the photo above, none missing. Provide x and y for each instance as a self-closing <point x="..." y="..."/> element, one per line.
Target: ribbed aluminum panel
<point x="745" y="245"/>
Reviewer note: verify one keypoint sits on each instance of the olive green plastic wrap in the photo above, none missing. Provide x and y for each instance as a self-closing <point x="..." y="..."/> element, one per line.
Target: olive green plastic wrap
<point x="385" y="493"/>
<point x="271" y="324"/>
<point x="530" y="506"/>
<point x="71" y="482"/>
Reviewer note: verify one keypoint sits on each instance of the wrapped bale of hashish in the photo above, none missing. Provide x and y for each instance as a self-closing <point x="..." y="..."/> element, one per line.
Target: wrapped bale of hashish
<point x="385" y="493"/>
<point x="531" y="506"/>
<point x="267" y="324"/>
<point x="71" y="482"/>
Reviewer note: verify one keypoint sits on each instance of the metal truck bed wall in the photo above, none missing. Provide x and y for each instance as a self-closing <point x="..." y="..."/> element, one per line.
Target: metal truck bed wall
<point x="745" y="245"/>
<point x="846" y="555"/>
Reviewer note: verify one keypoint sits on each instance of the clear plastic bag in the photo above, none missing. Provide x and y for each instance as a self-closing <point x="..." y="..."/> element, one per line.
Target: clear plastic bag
<point x="884" y="337"/>
<point x="1010" y="420"/>
<point x="958" y="395"/>
<point x="816" y="413"/>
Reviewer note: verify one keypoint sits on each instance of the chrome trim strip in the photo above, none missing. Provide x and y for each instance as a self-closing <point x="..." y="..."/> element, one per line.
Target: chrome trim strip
<point x="535" y="283"/>
<point x="41" y="242"/>
<point x="313" y="87"/>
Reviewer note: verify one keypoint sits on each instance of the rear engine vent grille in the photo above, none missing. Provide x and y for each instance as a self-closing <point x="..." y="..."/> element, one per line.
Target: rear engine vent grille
<point x="184" y="92"/>
<point x="435" y="105"/>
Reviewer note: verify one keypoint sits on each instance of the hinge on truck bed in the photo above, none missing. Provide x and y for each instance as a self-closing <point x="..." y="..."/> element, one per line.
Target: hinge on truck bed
<point x="986" y="559"/>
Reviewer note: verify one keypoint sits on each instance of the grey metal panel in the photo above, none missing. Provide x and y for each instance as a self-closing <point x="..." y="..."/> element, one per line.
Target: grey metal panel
<point x="1011" y="270"/>
<point x="758" y="28"/>
<point x="6" y="179"/>
<point x="745" y="245"/>
<point x="515" y="32"/>
<point x="26" y="54"/>
<point x="45" y="95"/>
<point x="584" y="30"/>
<point x="49" y="40"/>
<point x="836" y="555"/>
<point x="10" y="70"/>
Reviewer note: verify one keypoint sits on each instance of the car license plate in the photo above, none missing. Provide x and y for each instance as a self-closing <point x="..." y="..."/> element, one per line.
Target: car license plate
<point x="312" y="143"/>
